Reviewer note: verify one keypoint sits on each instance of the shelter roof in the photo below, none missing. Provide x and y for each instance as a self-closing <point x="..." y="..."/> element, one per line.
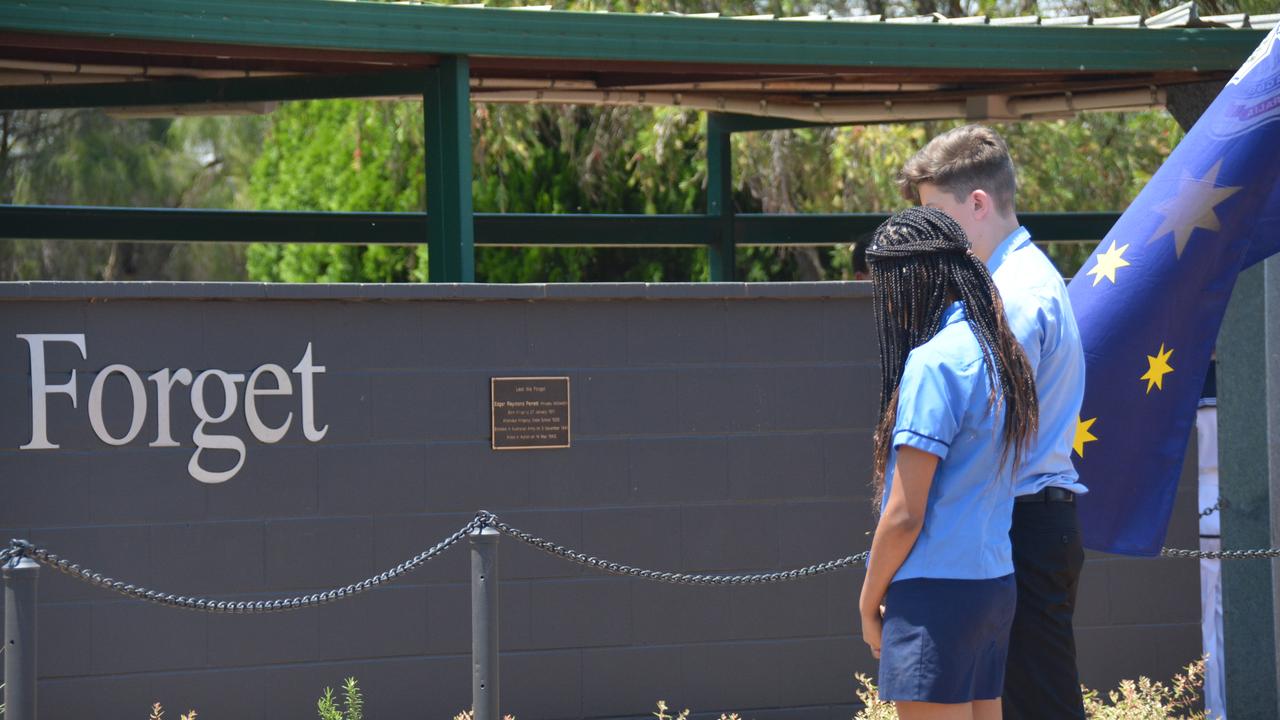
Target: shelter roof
<point x="222" y="55"/>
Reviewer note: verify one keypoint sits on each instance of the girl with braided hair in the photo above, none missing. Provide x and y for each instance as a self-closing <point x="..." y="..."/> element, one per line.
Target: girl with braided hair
<point x="957" y="409"/>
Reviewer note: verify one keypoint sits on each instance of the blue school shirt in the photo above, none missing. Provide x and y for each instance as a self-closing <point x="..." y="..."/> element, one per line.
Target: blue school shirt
<point x="1040" y="316"/>
<point x="942" y="410"/>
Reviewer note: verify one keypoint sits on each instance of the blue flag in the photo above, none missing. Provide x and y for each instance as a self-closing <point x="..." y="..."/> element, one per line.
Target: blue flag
<point x="1150" y="300"/>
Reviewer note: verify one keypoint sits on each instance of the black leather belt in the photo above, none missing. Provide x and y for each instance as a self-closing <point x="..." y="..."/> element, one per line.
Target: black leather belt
<point x="1049" y="494"/>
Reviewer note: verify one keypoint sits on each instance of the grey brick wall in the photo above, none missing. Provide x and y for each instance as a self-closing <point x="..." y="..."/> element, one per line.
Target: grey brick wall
<point x="716" y="427"/>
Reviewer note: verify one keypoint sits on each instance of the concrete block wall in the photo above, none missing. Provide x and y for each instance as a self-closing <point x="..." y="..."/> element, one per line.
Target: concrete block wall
<point x="715" y="428"/>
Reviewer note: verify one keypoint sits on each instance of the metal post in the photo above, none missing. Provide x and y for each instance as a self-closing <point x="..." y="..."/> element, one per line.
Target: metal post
<point x="1249" y="472"/>
<point x="484" y="624"/>
<point x="722" y="250"/>
<point x="1271" y="399"/>
<point x="446" y="104"/>
<point x="20" y="576"/>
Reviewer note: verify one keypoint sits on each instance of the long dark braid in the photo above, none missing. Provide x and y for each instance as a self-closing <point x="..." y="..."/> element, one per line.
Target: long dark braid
<point x="921" y="263"/>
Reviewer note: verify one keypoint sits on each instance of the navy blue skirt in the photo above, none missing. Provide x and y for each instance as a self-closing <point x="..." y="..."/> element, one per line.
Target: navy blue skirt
<point x="945" y="641"/>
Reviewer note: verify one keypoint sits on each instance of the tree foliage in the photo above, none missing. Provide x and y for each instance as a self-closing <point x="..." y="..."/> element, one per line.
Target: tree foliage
<point x="365" y="155"/>
<point x="357" y="155"/>
<point x="83" y="157"/>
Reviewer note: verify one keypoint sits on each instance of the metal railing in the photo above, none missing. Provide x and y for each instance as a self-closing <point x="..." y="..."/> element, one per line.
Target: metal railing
<point x="21" y="563"/>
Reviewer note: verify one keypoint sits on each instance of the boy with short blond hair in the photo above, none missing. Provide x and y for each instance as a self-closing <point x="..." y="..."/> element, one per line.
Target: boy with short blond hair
<point x="968" y="174"/>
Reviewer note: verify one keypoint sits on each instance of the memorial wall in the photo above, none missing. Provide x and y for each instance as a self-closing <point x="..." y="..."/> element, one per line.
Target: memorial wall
<point x="246" y="441"/>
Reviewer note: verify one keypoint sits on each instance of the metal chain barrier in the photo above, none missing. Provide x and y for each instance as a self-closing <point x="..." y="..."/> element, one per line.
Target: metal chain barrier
<point x="23" y="548"/>
<point x="483" y="519"/>
<point x="483" y="530"/>
<point x="675" y="578"/>
<point x="614" y="568"/>
<point x="1262" y="553"/>
<point x="1256" y="554"/>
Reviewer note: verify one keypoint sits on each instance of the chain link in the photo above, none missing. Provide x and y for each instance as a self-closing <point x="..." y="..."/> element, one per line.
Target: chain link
<point x="573" y="556"/>
<point x="242" y="607"/>
<point x="1258" y="554"/>
<point x="1220" y="505"/>
<point x="485" y="519"/>
<point x="675" y="578"/>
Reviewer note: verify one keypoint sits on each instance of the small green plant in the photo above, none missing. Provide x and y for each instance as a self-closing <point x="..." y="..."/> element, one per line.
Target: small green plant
<point x="1147" y="699"/>
<point x="1144" y="699"/>
<point x="157" y="713"/>
<point x="352" y="703"/>
<point x="661" y="713"/>
<point x="873" y="707"/>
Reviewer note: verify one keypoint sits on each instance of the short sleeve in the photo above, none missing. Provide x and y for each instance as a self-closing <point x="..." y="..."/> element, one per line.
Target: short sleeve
<point x="932" y="399"/>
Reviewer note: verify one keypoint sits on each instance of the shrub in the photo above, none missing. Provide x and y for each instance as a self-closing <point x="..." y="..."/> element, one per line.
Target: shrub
<point x="661" y="714"/>
<point x="1150" y="700"/>
<point x="1145" y="699"/>
<point x="875" y="708"/>
<point x="352" y="701"/>
<point x="157" y="713"/>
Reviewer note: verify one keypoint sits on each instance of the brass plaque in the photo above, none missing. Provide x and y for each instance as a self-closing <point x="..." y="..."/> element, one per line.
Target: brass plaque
<point x="529" y="413"/>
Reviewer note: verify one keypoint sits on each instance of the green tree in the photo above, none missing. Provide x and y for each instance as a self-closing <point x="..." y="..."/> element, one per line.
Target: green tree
<point x="362" y="155"/>
<point x="359" y="155"/>
<point x="86" y="157"/>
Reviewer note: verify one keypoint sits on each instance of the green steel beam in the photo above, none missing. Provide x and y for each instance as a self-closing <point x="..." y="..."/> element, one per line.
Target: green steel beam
<point x="61" y="222"/>
<point x="450" y="229"/>
<point x="54" y="222"/>
<point x="722" y="252"/>
<point x="189" y="92"/>
<point x="632" y="37"/>
<point x="812" y="229"/>
<point x="756" y="230"/>
<point x="519" y="230"/>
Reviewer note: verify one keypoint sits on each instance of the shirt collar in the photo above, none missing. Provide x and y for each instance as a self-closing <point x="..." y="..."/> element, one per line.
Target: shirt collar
<point x="953" y="314"/>
<point x="1015" y="241"/>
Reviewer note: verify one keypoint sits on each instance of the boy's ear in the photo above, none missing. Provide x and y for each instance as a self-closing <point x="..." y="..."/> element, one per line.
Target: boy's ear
<point x="980" y="204"/>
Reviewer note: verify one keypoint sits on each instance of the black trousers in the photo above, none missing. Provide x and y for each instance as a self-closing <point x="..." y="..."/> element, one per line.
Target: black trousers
<point x="1041" y="680"/>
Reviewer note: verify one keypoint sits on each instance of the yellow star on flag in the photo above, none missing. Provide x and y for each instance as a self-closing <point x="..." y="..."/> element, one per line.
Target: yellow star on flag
<point x="1191" y="207"/>
<point x="1157" y="368"/>
<point x="1083" y="435"/>
<point x="1108" y="262"/>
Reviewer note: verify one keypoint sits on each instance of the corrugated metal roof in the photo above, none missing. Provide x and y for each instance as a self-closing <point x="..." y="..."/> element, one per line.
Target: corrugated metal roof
<point x="814" y="68"/>
<point x="1186" y="15"/>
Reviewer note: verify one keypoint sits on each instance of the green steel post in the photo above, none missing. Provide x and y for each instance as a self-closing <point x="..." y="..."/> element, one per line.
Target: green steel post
<point x="722" y="250"/>
<point x="450" y="226"/>
<point x="1249" y="467"/>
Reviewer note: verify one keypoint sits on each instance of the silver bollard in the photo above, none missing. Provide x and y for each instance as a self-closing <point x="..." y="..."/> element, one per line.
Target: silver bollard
<point x="484" y="624"/>
<point x="20" y="576"/>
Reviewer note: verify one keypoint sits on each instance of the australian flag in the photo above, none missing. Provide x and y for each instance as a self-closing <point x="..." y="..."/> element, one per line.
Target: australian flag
<point x="1150" y="300"/>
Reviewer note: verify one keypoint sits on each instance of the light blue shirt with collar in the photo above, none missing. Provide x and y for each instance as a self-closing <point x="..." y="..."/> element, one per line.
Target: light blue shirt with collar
<point x="943" y="410"/>
<point x="1039" y="313"/>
